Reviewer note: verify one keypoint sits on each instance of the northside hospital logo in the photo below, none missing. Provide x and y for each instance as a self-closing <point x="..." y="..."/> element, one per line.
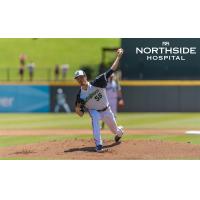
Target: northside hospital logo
<point x="165" y="52"/>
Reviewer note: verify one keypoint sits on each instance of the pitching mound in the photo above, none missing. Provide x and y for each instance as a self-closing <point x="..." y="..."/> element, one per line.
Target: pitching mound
<point x="84" y="149"/>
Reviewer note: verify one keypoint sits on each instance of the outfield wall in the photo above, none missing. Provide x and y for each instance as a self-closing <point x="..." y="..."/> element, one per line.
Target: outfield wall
<point x="139" y="96"/>
<point x="70" y="93"/>
<point x="162" y="98"/>
<point x="24" y="98"/>
<point x="148" y="96"/>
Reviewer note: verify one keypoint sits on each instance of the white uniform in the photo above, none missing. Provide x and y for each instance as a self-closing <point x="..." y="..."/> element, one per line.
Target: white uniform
<point x="97" y="104"/>
<point x="112" y="90"/>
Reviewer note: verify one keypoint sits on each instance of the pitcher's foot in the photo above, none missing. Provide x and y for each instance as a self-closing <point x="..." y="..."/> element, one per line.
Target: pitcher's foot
<point x="118" y="137"/>
<point x="100" y="149"/>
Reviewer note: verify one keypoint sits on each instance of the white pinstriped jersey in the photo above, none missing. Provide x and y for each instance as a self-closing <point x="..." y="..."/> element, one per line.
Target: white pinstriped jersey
<point x="95" y="96"/>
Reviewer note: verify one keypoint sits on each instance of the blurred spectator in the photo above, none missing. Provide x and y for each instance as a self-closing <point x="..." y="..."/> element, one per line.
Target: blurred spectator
<point x="61" y="101"/>
<point x="57" y="72"/>
<point x="22" y="62"/>
<point x="65" y="68"/>
<point x="31" y="68"/>
<point x="21" y="73"/>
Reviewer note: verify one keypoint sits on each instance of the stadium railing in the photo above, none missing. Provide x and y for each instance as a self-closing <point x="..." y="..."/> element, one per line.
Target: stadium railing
<point x="43" y="74"/>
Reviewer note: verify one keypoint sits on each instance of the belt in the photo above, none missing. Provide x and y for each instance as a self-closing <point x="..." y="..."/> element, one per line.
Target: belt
<point x="104" y="109"/>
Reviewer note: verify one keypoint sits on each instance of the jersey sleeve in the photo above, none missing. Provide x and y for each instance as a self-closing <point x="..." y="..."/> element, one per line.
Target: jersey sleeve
<point x="101" y="80"/>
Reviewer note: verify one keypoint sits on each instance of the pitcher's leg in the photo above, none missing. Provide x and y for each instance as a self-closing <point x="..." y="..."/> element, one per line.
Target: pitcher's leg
<point x="109" y="118"/>
<point x="95" y="126"/>
<point x="113" y="106"/>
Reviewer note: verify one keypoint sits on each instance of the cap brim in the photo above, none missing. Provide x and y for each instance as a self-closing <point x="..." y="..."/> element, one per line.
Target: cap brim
<point x="78" y="76"/>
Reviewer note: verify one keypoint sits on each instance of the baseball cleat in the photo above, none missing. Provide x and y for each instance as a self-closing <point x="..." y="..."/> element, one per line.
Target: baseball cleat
<point x="100" y="149"/>
<point x="118" y="137"/>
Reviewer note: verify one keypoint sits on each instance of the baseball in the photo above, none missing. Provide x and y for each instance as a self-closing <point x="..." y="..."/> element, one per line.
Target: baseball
<point x="120" y="51"/>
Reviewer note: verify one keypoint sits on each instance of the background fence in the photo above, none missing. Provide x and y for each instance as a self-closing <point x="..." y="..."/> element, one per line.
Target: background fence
<point x="43" y="74"/>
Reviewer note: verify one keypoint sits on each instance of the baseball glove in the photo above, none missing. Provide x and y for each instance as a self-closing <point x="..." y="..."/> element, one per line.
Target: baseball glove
<point x="81" y="102"/>
<point x="82" y="106"/>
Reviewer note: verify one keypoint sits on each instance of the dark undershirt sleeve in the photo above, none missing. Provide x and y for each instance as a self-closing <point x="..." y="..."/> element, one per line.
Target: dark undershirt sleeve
<point x="109" y="73"/>
<point x="101" y="80"/>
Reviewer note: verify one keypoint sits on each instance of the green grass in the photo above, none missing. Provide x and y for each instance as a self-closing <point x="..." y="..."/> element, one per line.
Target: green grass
<point x="6" y="141"/>
<point x="128" y="120"/>
<point x="192" y="139"/>
<point x="20" y="140"/>
<point x="72" y="121"/>
<point x="50" y="51"/>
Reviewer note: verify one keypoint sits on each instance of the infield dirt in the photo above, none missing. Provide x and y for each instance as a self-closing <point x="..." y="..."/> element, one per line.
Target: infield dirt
<point x="83" y="149"/>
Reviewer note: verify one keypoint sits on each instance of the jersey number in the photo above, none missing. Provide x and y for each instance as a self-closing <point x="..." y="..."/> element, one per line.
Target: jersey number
<point x="98" y="96"/>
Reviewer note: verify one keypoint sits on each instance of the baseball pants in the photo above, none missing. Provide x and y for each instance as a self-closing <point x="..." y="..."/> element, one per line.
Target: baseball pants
<point x="108" y="117"/>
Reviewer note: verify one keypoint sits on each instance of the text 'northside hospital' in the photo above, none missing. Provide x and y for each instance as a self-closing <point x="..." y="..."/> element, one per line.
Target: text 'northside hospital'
<point x="164" y="74"/>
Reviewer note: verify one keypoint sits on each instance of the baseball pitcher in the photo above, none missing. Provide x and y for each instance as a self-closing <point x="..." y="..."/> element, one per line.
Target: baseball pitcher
<point x="92" y="96"/>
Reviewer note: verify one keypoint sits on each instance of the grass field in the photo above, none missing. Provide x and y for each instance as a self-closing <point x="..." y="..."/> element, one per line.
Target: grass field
<point x="48" y="52"/>
<point x="145" y="121"/>
<point x="128" y="120"/>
